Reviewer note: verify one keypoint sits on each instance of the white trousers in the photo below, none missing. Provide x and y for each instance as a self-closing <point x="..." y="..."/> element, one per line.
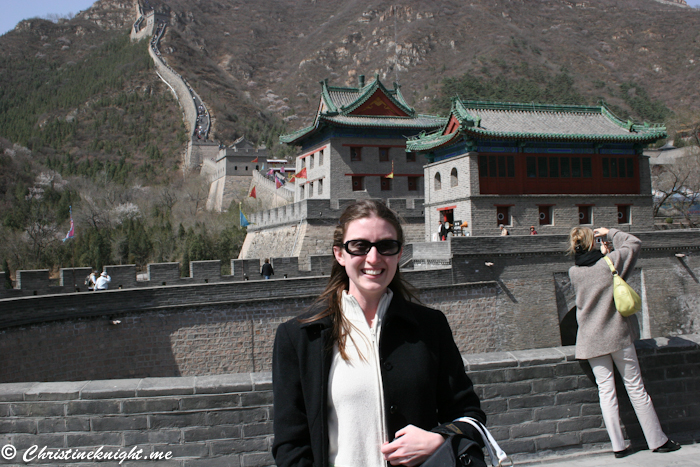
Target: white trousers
<point x="627" y="364"/>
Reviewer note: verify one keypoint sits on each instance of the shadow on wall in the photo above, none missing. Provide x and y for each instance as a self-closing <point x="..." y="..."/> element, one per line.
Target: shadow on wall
<point x="177" y="342"/>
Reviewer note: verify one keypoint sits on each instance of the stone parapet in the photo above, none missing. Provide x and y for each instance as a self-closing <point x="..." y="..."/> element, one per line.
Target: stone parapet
<point x="539" y="404"/>
<point x="320" y="209"/>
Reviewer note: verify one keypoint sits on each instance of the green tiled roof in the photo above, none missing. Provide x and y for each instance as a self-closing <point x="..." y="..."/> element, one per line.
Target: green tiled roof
<point x="340" y="102"/>
<point x="495" y="120"/>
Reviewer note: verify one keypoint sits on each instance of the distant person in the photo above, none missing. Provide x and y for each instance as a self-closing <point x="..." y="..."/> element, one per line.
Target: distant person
<point x="606" y="338"/>
<point x="532" y="230"/>
<point x="103" y="281"/>
<point x="267" y="270"/>
<point x="504" y="231"/>
<point x="441" y="231"/>
<point x="91" y="279"/>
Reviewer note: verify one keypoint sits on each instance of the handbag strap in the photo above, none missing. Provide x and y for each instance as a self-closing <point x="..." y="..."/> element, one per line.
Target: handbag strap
<point x="610" y="264"/>
<point x="494" y="450"/>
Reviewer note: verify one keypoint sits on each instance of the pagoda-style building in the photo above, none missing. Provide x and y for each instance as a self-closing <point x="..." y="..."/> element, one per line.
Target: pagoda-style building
<point x="358" y="137"/>
<point x="548" y="166"/>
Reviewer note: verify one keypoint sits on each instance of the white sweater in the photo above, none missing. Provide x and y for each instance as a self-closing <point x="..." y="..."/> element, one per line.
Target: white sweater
<point x="356" y="421"/>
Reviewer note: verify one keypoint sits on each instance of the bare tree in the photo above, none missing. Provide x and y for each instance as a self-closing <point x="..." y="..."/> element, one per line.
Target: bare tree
<point x="41" y="230"/>
<point x="677" y="186"/>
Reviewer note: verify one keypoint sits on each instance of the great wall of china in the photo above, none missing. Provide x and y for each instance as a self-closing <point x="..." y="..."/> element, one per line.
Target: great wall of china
<point x="181" y="364"/>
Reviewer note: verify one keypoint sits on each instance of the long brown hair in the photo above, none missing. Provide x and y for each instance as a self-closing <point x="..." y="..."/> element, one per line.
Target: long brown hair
<point x="332" y="296"/>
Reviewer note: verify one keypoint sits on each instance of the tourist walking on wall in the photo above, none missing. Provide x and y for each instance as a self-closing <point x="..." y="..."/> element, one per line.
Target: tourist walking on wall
<point x="103" y="281"/>
<point x="504" y="231"/>
<point x="91" y="279"/>
<point x="368" y="376"/>
<point x="267" y="270"/>
<point x="605" y="337"/>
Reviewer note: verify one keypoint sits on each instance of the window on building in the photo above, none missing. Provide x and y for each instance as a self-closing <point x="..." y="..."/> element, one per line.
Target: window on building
<point x="531" y="167"/>
<point x="383" y="154"/>
<point x="320" y="158"/>
<point x="622" y="167"/>
<point x="301" y="192"/>
<point x="546" y="217"/>
<point x="358" y="183"/>
<point x="503" y="215"/>
<point x="564" y="167"/>
<point x="410" y="157"/>
<point x="453" y="178"/>
<point x="483" y="166"/>
<point x="542" y="167"/>
<point x="412" y="183"/>
<point x="235" y="167"/>
<point x="320" y="187"/>
<point x="586" y="170"/>
<point x="497" y="166"/>
<point x="576" y="167"/>
<point x="257" y="167"/>
<point x="585" y="215"/>
<point x="554" y="167"/>
<point x="438" y="182"/>
<point x="311" y="161"/>
<point x="355" y="153"/>
<point x="311" y="190"/>
<point x="623" y="214"/>
<point x="385" y="184"/>
<point x="246" y="168"/>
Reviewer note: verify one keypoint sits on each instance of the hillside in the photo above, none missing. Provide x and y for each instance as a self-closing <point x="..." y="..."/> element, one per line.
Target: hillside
<point x="257" y="64"/>
<point x="273" y="53"/>
<point x="105" y="135"/>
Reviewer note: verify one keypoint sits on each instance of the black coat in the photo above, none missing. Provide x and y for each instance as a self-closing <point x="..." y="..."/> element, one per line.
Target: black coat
<point x="422" y="374"/>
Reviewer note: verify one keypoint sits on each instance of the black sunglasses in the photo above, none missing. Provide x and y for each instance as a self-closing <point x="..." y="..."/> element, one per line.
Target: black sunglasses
<point x="362" y="247"/>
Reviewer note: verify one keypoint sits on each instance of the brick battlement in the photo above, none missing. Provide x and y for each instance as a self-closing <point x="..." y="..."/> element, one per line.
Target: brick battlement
<point x="324" y="209"/>
<point x="539" y="403"/>
<point x="37" y="282"/>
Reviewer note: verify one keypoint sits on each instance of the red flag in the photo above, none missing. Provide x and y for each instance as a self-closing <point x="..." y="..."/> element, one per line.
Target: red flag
<point x="302" y="173"/>
<point x="252" y="193"/>
<point x="391" y="175"/>
<point x="254" y="160"/>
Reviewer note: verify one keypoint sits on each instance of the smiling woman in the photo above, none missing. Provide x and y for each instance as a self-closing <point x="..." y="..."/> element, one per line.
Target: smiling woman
<point x="368" y="376"/>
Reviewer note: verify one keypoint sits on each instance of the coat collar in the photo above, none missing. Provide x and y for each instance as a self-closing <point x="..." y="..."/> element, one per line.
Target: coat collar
<point x="397" y="310"/>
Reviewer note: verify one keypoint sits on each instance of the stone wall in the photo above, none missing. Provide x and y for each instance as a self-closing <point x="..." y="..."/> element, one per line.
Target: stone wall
<point x="500" y="294"/>
<point x="305" y="229"/>
<point x="199" y="151"/>
<point x="182" y="93"/>
<point x="539" y="403"/>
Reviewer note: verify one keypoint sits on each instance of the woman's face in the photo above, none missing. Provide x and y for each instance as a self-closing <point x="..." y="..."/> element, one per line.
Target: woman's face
<point x="369" y="274"/>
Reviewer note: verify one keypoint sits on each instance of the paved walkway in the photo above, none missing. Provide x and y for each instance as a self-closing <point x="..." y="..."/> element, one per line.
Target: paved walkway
<point x="687" y="456"/>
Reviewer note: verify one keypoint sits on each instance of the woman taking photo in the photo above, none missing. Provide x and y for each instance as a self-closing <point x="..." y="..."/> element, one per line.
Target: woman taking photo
<point x="362" y="378"/>
<point x="605" y="337"/>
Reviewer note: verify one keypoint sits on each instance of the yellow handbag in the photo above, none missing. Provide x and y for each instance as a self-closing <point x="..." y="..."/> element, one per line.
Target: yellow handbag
<point x="627" y="301"/>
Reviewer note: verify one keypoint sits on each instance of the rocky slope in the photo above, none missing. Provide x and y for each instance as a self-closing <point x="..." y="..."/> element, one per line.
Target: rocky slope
<point x="257" y="64"/>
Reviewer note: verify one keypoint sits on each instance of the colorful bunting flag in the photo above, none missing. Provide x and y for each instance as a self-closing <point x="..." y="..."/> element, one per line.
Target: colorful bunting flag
<point x="252" y="193"/>
<point x="71" y="232"/>
<point x="302" y="173"/>
<point x="254" y="161"/>
<point x="278" y="183"/>
<point x="244" y="221"/>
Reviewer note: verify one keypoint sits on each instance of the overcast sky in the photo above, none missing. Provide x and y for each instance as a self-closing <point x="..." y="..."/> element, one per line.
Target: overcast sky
<point x="14" y="11"/>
